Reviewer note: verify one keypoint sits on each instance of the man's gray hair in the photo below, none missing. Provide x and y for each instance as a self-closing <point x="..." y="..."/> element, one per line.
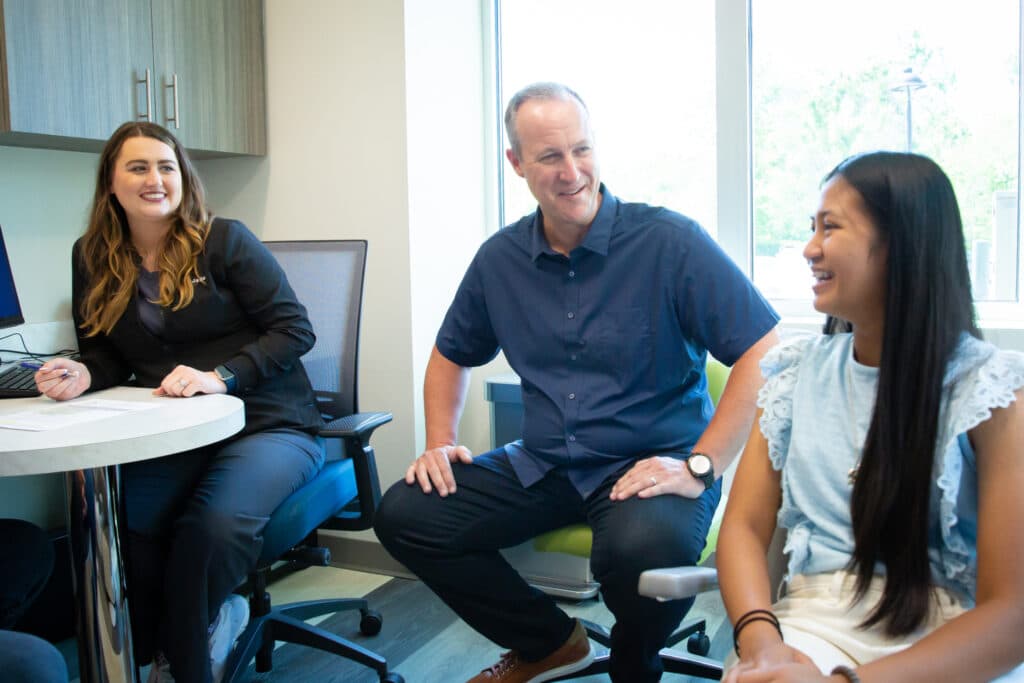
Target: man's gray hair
<point x="535" y="91"/>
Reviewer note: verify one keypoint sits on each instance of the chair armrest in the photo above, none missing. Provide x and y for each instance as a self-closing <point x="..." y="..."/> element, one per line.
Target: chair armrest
<point x="675" y="583"/>
<point x="358" y="426"/>
<point x="355" y="431"/>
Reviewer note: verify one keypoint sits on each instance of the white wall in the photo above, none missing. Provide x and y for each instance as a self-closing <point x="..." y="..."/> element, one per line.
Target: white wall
<point x="452" y="187"/>
<point x="44" y="201"/>
<point x="336" y="168"/>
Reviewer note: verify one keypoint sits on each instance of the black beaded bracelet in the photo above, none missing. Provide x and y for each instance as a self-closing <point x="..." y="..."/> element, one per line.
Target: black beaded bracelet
<point x="846" y="672"/>
<point x="749" y="618"/>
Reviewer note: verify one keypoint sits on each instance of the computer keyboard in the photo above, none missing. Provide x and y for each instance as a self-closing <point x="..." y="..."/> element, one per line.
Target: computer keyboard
<point x="17" y="382"/>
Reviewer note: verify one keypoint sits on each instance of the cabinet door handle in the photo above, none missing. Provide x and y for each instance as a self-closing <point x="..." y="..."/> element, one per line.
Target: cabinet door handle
<point x="148" y="114"/>
<point x="174" y="90"/>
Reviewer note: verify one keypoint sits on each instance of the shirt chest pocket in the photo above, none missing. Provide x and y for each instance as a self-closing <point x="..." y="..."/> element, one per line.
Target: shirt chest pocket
<point x="622" y="341"/>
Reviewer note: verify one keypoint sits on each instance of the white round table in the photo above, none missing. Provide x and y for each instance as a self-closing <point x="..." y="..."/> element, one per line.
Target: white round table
<point x="90" y="453"/>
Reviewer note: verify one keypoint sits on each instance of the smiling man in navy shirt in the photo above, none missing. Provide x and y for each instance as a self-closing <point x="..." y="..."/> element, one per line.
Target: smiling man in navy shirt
<point x="606" y="310"/>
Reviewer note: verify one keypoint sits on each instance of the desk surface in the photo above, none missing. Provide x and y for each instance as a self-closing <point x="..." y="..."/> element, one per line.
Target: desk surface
<point x="177" y="424"/>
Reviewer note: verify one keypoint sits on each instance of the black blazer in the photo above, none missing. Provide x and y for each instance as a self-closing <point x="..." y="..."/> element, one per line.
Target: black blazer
<point x="244" y="316"/>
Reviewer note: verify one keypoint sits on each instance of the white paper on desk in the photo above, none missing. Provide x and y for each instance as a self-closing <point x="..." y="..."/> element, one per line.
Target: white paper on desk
<point x="58" y="415"/>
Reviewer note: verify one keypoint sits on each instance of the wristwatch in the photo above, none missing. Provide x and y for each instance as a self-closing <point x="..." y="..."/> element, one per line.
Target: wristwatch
<point x="226" y="376"/>
<point x="701" y="468"/>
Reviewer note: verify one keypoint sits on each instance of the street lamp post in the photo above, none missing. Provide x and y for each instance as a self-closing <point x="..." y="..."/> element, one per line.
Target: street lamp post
<point x="908" y="82"/>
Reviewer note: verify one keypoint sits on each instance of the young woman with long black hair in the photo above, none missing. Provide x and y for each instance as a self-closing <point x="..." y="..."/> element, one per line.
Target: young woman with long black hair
<point x="891" y="449"/>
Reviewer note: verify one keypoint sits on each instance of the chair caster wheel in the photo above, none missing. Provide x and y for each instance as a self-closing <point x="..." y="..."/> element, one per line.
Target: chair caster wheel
<point x="393" y="678"/>
<point x="698" y="644"/>
<point x="370" y="623"/>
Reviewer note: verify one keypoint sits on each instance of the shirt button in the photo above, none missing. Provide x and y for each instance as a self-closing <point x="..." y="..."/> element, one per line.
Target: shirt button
<point x="571" y="315"/>
<point x="572" y="437"/>
<point x="572" y="356"/>
<point x="572" y="396"/>
<point x="572" y="273"/>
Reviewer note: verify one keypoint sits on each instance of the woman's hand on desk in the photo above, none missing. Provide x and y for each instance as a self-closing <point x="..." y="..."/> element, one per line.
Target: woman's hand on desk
<point x="62" y="379"/>
<point x="184" y="381"/>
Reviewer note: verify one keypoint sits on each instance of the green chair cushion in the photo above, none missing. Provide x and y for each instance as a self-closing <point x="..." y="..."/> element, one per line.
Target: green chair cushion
<point x="577" y="539"/>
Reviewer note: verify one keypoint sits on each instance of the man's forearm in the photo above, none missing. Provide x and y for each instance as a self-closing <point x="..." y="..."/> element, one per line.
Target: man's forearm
<point x="730" y="425"/>
<point x="444" y="396"/>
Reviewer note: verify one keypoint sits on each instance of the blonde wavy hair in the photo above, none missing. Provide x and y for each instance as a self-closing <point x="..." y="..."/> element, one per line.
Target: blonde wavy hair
<point x="111" y="260"/>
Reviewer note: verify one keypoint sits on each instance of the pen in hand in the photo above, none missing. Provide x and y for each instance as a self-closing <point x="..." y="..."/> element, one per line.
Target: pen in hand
<point x="36" y="365"/>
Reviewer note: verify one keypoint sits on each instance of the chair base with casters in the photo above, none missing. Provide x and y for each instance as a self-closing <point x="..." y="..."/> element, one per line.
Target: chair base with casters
<point x="305" y="509"/>
<point x="576" y="540"/>
<point x="269" y="624"/>
<point x="693" y="664"/>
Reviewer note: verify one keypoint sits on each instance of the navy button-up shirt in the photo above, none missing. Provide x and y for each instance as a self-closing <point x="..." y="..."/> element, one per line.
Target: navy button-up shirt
<point x="610" y="342"/>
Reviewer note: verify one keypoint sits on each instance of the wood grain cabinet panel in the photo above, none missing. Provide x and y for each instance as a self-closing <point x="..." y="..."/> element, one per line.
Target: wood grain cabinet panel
<point x="71" y="71"/>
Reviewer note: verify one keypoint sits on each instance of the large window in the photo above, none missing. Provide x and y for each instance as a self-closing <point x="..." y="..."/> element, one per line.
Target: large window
<point x="646" y="70"/>
<point x="831" y="79"/>
<point x="732" y="112"/>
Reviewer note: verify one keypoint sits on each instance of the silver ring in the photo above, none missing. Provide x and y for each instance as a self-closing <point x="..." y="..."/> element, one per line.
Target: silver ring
<point x="183" y="382"/>
<point x="654" y="482"/>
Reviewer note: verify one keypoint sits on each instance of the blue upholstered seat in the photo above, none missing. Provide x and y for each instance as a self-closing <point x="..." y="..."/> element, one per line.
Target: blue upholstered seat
<point x="305" y="510"/>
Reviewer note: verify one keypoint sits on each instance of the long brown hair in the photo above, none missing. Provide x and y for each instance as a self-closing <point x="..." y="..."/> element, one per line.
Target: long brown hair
<point x="111" y="260"/>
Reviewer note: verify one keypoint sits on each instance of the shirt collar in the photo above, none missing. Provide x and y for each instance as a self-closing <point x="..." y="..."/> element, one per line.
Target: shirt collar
<point x="597" y="238"/>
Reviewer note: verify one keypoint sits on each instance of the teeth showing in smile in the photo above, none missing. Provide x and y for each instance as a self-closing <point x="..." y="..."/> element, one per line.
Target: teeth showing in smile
<point x="153" y="195"/>
<point x="821" y="275"/>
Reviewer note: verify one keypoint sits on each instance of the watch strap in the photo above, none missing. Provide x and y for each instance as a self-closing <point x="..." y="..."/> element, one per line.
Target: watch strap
<point x="226" y="376"/>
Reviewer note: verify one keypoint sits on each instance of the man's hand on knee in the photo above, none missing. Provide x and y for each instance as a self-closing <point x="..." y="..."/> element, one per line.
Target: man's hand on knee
<point x="657" y="476"/>
<point x="433" y="469"/>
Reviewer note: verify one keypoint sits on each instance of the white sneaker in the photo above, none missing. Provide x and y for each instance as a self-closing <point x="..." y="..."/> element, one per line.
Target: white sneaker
<point x="160" y="670"/>
<point x="224" y="631"/>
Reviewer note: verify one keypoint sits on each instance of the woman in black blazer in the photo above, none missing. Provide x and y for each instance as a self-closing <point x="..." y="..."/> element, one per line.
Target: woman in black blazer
<point x="167" y="295"/>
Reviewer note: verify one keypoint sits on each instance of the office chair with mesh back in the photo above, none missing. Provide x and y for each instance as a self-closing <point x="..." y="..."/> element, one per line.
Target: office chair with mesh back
<point x="328" y="279"/>
<point x="576" y="540"/>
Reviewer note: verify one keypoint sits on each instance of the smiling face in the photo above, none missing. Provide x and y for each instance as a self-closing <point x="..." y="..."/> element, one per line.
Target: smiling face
<point x="848" y="258"/>
<point x="556" y="157"/>
<point x="146" y="180"/>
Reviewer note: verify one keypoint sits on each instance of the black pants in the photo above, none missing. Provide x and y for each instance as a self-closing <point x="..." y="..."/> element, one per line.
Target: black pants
<point x="452" y="545"/>
<point x="26" y="560"/>
<point x="195" y="522"/>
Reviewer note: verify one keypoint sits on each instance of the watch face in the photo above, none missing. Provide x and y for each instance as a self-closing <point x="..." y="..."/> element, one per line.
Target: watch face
<point x="699" y="464"/>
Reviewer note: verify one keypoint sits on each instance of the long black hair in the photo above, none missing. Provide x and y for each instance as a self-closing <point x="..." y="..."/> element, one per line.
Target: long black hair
<point x="928" y="307"/>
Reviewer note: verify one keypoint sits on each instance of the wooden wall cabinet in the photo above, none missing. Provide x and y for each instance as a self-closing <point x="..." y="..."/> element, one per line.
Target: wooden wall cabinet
<point x="71" y="71"/>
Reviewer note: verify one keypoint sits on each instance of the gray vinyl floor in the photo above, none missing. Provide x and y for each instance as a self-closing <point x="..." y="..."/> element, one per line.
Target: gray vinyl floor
<point x="426" y="643"/>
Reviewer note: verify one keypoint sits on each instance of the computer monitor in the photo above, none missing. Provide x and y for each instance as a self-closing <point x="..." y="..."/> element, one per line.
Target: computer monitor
<point x="10" y="309"/>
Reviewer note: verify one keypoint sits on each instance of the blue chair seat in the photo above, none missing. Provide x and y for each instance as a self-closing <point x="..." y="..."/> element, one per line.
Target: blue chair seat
<point x="305" y="510"/>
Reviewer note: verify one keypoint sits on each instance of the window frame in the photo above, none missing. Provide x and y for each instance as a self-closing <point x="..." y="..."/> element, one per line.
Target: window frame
<point x="734" y="116"/>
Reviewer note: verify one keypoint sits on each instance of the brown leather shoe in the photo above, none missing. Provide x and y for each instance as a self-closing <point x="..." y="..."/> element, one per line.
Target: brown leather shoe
<point x="574" y="655"/>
